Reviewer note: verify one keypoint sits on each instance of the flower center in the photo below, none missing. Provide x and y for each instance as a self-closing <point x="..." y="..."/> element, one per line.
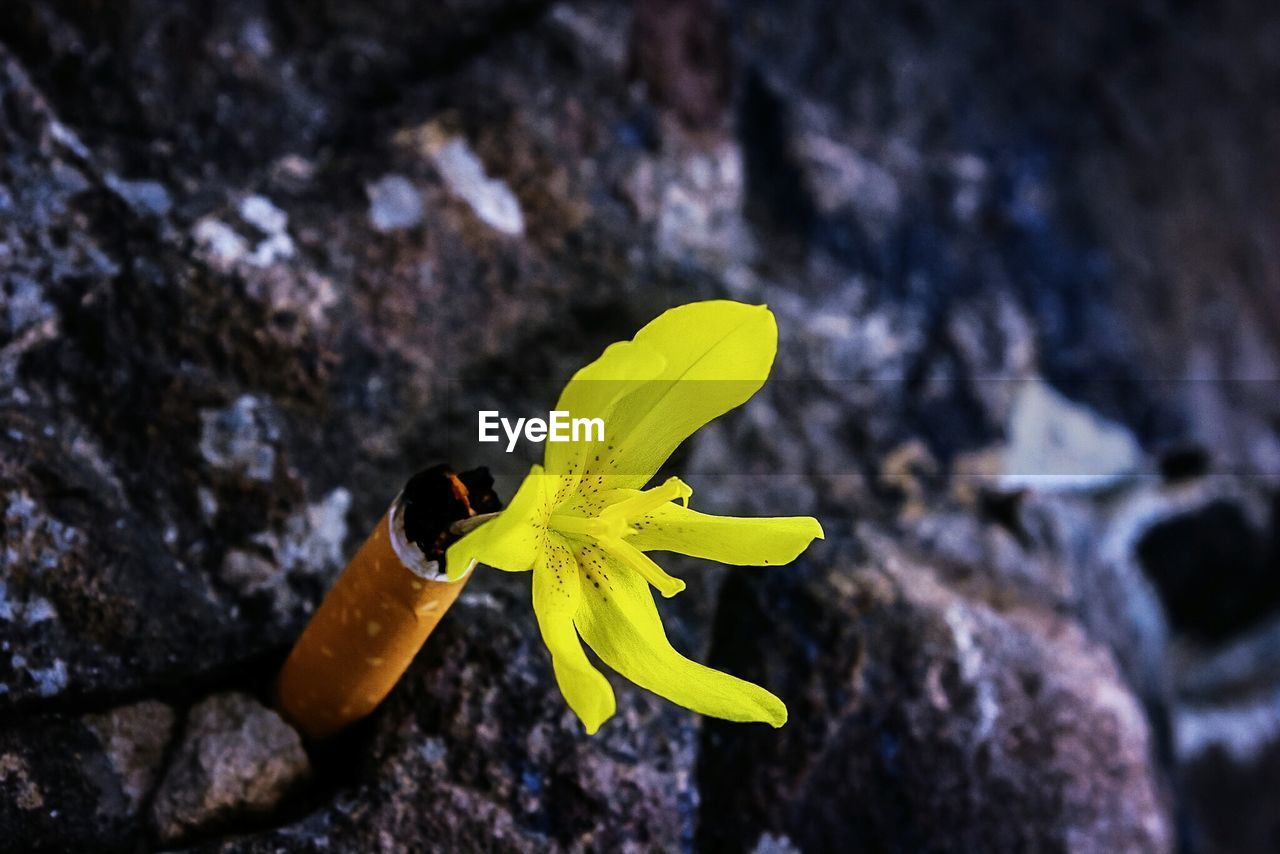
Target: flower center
<point x="615" y="521"/>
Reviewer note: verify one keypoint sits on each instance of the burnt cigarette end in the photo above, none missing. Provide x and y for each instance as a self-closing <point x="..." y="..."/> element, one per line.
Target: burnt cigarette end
<point x="383" y="606"/>
<point x="437" y="497"/>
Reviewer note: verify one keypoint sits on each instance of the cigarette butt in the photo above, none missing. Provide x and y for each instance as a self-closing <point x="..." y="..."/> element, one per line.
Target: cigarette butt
<point x="376" y="617"/>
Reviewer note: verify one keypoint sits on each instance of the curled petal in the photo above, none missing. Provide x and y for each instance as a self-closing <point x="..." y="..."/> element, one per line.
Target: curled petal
<point x="593" y="392"/>
<point x="618" y="619"/>
<point x="512" y="540"/>
<point x="556" y="597"/>
<point x="716" y="355"/>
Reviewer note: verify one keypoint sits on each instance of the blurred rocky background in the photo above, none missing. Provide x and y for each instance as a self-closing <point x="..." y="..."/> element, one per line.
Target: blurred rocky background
<point x="261" y="259"/>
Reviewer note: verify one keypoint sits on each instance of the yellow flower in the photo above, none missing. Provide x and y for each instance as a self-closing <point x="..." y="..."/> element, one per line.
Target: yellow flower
<point x="582" y="523"/>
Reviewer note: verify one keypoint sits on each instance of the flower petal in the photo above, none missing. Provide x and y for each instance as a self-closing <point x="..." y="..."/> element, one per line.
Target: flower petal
<point x="512" y="540"/>
<point x="556" y="596"/>
<point x="716" y="355"/>
<point x="593" y="392"/>
<point x="618" y="619"/>
<point x="735" y="540"/>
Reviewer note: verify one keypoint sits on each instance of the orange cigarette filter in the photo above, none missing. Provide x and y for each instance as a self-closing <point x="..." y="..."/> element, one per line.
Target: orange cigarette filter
<point x="381" y="609"/>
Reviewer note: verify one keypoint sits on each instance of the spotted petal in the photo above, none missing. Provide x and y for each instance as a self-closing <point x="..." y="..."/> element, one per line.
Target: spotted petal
<point x="556" y="598"/>
<point x="594" y="392"/>
<point x="716" y="355"/>
<point x="618" y="619"/>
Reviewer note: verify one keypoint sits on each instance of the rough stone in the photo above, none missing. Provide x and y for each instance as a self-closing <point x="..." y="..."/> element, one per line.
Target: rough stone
<point x="235" y="757"/>
<point x="135" y="739"/>
<point x="929" y="721"/>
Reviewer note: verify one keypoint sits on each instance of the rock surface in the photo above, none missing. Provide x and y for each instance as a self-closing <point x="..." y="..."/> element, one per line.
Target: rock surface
<point x="451" y="765"/>
<point x="61" y="788"/>
<point x="235" y="757"/>
<point x="260" y="260"/>
<point x="135" y="739"/>
<point x="930" y="718"/>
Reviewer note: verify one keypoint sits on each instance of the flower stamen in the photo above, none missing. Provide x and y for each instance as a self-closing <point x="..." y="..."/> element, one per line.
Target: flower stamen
<point x="596" y="527"/>
<point x="667" y="585"/>
<point x="638" y="506"/>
